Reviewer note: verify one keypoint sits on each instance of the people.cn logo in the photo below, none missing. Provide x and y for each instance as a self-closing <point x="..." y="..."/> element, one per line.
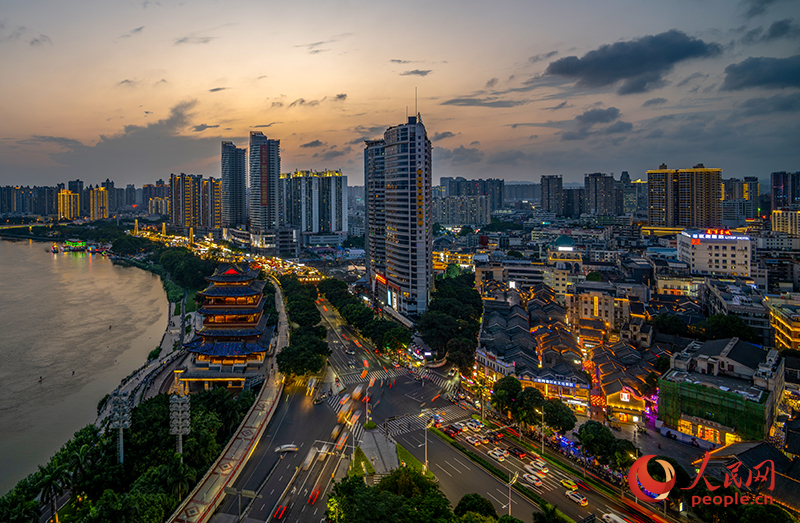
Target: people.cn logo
<point x="638" y="475"/>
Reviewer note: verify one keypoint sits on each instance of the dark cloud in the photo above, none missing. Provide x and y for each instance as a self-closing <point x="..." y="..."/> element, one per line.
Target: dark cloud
<point x="539" y="57"/>
<point x="162" y="81"/>
<point x="133" y="32"/>
<point x="780" y="29"/>
<point x="128" y="83"/>
<point x="618" y="127"/>
<point x="775" y="104"/>
<point x="302" y="102"/>
<point x="580" y="134"/>
<point x="595" y="116"/>
<point x="772" y="73"/>
<point x="397" y="61"/>
<point x="194" y="40"/>
<point x="484" y="102"/>
<point x="693" y="76"/>
<point x="758" y="7"/>
<point x="562" y="105"/>
<point x="316" y="47"/>
<point x="40" y="40"/>
<point x="266" y="125"/>
<point x="491" y="83"/>
<point x="315" y="143"/>
<point x="654" y="101"/>
<point x="333" y="153"/>
<point x="218" y="89"/>
<point x="441" y="136"/>
<point x="476" y="142"/>
<point x="359" y="140"/>
<point x="341" y="97"/>
<point x="65" y="143"/>
<point x="203" y="127"/>
<point x="640" y="63"/>
<point x="417" y="72"/>
<point x="277" y="104"/>
<point x="507" y="157"/>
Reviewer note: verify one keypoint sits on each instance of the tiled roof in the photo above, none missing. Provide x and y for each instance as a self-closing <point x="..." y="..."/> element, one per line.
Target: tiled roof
<point x="225" y="348"/>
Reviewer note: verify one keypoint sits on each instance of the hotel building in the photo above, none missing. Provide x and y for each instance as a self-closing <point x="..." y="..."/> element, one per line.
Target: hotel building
<point x="715" y="252"/>
<point x="68" y="205"/>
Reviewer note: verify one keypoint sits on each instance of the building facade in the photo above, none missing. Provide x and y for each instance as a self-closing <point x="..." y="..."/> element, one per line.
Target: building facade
<point x="713" y="252"/>
<point x="375" y="214"/>
<point x="98" y="200"/>
<point x="786" y="221"/>
<point x="784" y="189"/>
<point x="315" y="203"/>
<point x="265" y="197"/>
<point x="68" y="205"/>
<point x="684" y="197"/>
<point x="234" y="185"/>
<point x="552" y="194"/>
<point x="599" y="194"/>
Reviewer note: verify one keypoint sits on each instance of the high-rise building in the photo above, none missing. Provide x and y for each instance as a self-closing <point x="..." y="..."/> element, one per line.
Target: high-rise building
<point x="553" y="194"/>
<point x="573" y="202"/>
<point x="599" y="194"/>
<point x="746" y="190"/>
<point x="76" y="186"/>
<point x="684" y="197"/>
<point x="98" y="203"/>
<point x="212" y="203"/>
<point x="785" y="189"/>
<point x="375" y="214"/>
<point x="462" y="210"/>
<point x="234" y="185"/>
<point x="786" y="220"/>
<point x="186" y="199"/>
<point x="315" y="203"/>
<point x="130" y="195"/>
<point x="159" y="206"/>
<point x="68" y="206"/>
<point x="111" y="193"/>
<point x="408" y="217"/>
<point x="265" y="198"/>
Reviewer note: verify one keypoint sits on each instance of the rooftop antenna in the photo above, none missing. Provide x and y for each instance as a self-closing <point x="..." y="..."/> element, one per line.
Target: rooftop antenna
<point x="416" y="111"/>
<point x="406" y="112"/>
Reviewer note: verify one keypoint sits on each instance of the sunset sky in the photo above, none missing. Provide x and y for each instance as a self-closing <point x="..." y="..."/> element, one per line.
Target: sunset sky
<point x="511" y="89"/>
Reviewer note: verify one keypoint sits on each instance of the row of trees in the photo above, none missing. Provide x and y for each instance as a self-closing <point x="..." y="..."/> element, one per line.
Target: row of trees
<point x="387" y="336"/>
<point x="405" y="495"/>
<point x="451" y="323"/>
<point x="307" y="348"/>
<point x="524" y="405"/>
<point x="151" y="482"/>
<point x="715" y="327"/>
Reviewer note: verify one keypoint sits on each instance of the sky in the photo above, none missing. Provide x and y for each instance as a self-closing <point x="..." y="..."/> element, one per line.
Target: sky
<point x="136" y="90"/>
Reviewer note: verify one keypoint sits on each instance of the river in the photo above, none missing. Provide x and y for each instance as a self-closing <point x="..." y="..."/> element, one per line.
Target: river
<point x="81" y="323"/>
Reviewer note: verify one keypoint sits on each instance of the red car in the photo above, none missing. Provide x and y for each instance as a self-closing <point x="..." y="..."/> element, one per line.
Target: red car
<point x="518" y="452"/>
<point x="450" y="432"/>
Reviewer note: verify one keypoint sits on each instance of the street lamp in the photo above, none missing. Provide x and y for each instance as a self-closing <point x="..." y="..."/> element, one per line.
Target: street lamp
<point x="120" y="417"/>
<point x="511" y="482"/>
<point x="179" y="419"/>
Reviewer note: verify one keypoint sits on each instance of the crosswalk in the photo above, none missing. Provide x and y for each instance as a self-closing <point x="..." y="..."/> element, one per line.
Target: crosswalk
<point x="352" y="378"/>
<point x="357" y="429"/>
<point x="405" y="424"/>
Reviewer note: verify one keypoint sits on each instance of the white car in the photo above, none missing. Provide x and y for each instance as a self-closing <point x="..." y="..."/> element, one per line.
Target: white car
<point x="534" y="472"/>
<point x="533" y="480"/>
<point x="504" y="452"/>
<point x="497" y="454"/>
<point x="613" y="518"/>
<point x="475" y="425"/>
<point x="580" y="499"/>
<point x="459" y="426"/>
<point x="474" y="440"/>
<point x="540" y="465"/>
<point x="286" y="448"/>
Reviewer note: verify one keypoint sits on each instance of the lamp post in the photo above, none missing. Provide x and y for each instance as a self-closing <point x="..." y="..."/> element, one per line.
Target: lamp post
<point x="542" y="427"/>
<point x="120" y="418"/>
<point x="179" y="419"/>
<point x="511" y="482"/>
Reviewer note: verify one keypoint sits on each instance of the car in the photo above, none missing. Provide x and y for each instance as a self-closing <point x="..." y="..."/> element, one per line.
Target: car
<point x="474" y="440"/>
<point x="454" y="429"/>
<point x="475" y="425"/>
<point x="291" y="447"/>
<point x="450" y="432"/>
<point x="497" y="454"/>
<point x="533" y="480"/>
<point x="493" y="438"/>
<point x="540" y="465"/>
<point x="518" y="452"/>
<point x="436" y="421"/>
<point x="484" y="438"/>
<point x="569" y="484"/>
<point x="503" y="451"/>
<point x="451" y="372"/>
<point x="581" y="484"/>
<point x="580" y="499"/>
<point x="349" y="351"/>
<point x="396" y="365"/>
<point x="614" y="518"/>
<point x="459" y="427"/>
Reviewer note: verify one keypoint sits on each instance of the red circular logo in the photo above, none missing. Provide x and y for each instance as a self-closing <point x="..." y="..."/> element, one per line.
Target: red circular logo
<point x="638" y="475"/>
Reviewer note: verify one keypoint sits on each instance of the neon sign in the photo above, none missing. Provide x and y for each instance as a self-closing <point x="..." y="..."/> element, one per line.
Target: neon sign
<point x="380" y="279"/>
<point x="624" y="396"/>
<point x="721" y="232"/>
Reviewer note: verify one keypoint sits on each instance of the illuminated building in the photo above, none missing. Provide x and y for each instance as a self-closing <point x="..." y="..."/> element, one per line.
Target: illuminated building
<point x="786" y="220"/>
<point x="739" y="297"/>
<point x="76" y="186"/>
<point x="599" y="194"/>
<point x="715" y="252"/>
<point x="441" y="259"/>
<point x="620" y="371"/>
<point x="231" y="346"/>
<point x="234" y="185"/>
<point x="784" y="316"/>
<point x="552" y="194"/>
<point x="407" y="208"/>
<point x="98" y="203"/>
<point x="785" y="189"/>
<point x="186" y="192"/>
<point x="68" y="205"/>
<point x="265" y="198"/>
<point x="211" y="206"/>
<point x="315" y="204"/>
<point x="375" y="214"/>
<point x="684" y="197"/>
<point x="462" y="210"/>
<point x="159" y="206"/>
<point x="614" y="304"/>
<point x="722" y="391"/>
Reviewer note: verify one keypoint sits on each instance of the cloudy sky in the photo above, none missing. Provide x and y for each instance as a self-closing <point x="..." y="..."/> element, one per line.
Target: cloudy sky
<point x="134" y="90"/>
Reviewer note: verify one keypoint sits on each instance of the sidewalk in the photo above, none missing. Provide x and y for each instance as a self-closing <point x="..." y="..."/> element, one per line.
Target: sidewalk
<point x="381" y="452"/>
<point x="199" y="505"/>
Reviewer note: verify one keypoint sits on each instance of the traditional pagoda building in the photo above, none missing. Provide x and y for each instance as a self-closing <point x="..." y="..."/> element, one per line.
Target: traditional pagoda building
<point x="232" y="345"/>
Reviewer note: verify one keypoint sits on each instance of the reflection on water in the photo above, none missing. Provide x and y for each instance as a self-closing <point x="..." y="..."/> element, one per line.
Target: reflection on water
<point x="79" y="322"/>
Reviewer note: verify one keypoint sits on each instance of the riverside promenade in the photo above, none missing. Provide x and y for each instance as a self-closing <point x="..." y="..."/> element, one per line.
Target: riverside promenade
<point x="200" y="504"/>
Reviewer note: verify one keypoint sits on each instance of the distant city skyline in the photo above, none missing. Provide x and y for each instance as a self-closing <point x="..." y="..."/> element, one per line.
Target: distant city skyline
<point x="135" y="92"/>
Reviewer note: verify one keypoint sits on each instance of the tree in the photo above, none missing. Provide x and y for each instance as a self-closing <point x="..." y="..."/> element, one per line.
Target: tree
<point x="514" y="254"/>
<point x="670" y="324"/>
<point x="595" y="438"/>
<point x="397" y="339"/>
<point x="766" y="514"/>
<point x="594" y="276"/>
<point x="437" y="228"/>
<point x="662" y="364"/>
<point x="437" y="328"/>
<point x="53" y="481"/>
<point x="452" y="270"/>
<point x="650" y="384"/>
<point x="505" y="518"/>
<point x="528" y="402"/>
<point x="475" y="503"/>
<point x="720" y="326"/>
<point x="505" y="395"/>
<point x="180" y="477"/>
<point x="474" y="517"/>
<point x="623" y="454"/>
<point x="461" y="353"/>
<point x="558" y="416"/>
<point x="549" y="514"/>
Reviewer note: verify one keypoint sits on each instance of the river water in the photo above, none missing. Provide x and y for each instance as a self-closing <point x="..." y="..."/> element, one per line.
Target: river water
<point x="79" y="322"/>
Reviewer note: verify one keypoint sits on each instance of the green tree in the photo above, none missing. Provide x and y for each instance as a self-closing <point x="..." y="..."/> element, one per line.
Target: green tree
<point x="505" y="518"/>
<point x="452" y="270"/>
<point x="594" y="276"/>
<point x="505" y="395"/>
<point x="15" y="507"/>
<point x="53" y="481"/>
<point x="596" y="439"/>
<point x="720" y="326"/>
<point x="650" y="384"/>
<point x="475" y="503"/>
<point x="461" y="353"/>
<point x="558" y="416"/>
<point x="180" y="477"/>
<point x="623" y="454"/>
<point x="437" y="228"/>
<point x="529" y="400"/>
<point x="670" y="324"/>
<point x="662" y="364"/>
<point x="549" y="514"/>
<point x="397" y="339"/>
<point x="514" y="254"/>
<point x="474" y="517"/>
<point x="766" y="514"/>
<point x="437" y="328"/>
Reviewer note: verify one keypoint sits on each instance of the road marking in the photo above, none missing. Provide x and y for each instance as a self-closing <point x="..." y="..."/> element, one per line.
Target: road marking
<point x="462" y="463"/>
<point x="443" y="470"/>
<point x="454" y="467"/>
<point x="494" y="498"/>
<point x="501" y="492"/>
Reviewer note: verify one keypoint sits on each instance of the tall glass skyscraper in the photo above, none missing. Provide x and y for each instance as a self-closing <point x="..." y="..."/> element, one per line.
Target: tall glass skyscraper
<point x="407" y="210"/>
<point x="265" y="169"/>
<point x="234" y="169"/>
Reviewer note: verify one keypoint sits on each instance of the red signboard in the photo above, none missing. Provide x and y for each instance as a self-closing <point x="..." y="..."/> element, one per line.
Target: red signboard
<point x="380" y="279"/>
<point x="723" y="232"/>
